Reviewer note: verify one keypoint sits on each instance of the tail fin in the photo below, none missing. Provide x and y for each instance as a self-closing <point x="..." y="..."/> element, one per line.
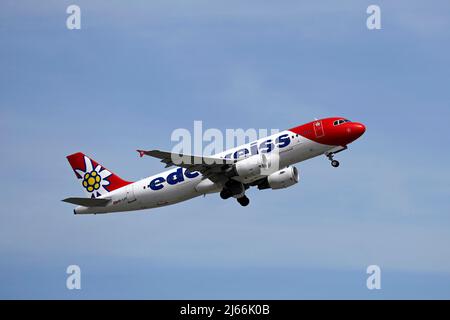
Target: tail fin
<point x="95" y="179"/>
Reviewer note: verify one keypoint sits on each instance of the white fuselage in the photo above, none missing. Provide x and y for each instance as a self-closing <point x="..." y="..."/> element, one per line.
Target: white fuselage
<point x="144" y="194"/>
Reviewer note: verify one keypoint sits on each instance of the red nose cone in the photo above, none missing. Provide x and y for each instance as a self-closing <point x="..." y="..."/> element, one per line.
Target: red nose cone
<point x="353" y="130"/>
<point x="358" y="129"/>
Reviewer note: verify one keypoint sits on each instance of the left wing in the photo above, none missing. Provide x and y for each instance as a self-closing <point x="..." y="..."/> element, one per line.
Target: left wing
<point x="211" y="167"/>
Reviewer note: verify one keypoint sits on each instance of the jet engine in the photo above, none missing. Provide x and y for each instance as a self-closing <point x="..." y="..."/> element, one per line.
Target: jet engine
<point x="249" y="167"/>
<point x="280" y="179"/>
<point x="256" y="165"/>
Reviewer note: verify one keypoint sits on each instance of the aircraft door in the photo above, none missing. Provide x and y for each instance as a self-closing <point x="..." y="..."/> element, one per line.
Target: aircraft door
<point x="318" y="129"/>
<point x="130" y="193"/>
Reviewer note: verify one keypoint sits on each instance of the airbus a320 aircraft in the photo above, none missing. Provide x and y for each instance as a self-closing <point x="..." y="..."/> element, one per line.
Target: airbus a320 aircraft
<point x="266" y="163"/>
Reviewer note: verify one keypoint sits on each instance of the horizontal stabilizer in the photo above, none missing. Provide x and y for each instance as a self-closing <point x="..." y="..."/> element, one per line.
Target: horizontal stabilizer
<point x="88" y="202"/>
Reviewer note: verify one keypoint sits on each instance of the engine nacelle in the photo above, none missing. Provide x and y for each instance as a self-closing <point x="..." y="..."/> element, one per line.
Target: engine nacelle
<point x="249" y="167"/>
<point x="207" y="186"/>
<point x="281" y="179"/>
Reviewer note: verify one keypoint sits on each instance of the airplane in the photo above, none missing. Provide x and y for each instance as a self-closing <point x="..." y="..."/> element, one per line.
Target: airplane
<point x="266" y="163"/>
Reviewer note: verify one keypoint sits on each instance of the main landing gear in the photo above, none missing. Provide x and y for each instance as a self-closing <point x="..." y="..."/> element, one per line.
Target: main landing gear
<point x="243" y="201"/>
<point x="225" y="194"/>
<point x="237" y="190"/>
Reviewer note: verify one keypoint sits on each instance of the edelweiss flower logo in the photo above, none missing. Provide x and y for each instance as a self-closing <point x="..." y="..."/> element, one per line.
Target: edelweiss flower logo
<point x="94" y="179"/>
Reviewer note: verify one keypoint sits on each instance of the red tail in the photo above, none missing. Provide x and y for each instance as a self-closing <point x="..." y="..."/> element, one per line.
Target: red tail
<point x="95" y="179"/>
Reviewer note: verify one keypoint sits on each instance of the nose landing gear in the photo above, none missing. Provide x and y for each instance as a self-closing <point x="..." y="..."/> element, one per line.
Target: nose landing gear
<point x="330" y="154"/>
<point x="334" y="163"/>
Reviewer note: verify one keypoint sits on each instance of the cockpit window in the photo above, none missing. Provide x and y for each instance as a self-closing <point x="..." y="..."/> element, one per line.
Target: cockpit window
<point x="340" y="121"/>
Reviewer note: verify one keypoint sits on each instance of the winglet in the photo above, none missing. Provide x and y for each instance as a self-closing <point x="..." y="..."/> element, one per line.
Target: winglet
<point x="141" y="153"/>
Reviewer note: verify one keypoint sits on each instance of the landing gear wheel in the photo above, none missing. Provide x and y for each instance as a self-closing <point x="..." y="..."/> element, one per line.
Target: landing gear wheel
<point x="335" y="163"/>
<point x="243" y="201"/>
<point x="225" y="194"/>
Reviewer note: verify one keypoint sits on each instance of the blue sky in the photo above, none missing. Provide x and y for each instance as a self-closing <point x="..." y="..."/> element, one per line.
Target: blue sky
<point x="137" y="71"/>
